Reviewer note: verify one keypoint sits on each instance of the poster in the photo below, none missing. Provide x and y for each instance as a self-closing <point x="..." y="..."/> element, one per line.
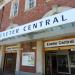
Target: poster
<point x="28" y="59"/>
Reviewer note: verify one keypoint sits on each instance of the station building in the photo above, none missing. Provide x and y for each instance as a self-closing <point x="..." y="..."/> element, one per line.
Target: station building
<point x="37" y="37"/>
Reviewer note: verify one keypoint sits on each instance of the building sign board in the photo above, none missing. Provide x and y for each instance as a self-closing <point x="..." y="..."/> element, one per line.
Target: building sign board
<point x="28" y="59"/>
<point x="64" y="42"/>
<point x="41" y="24"/>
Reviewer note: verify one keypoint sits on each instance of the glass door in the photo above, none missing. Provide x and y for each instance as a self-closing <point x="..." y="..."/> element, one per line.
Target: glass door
<point x="63" y="65"/>
<point x="72" y="61"/>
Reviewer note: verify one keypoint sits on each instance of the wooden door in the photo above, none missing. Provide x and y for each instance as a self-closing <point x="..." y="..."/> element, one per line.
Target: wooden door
<point x="10" y="62"/>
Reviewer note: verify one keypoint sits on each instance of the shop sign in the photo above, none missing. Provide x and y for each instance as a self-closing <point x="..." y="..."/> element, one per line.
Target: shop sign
<point x="28" y="59"/>
<point x="64" y="42"/>
<point x="41" y="24"/>
<point x="9" y="49"/>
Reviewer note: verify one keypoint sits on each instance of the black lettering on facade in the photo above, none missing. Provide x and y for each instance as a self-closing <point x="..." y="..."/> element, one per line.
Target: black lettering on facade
<point x="53" y="43"/>
<point x="3" y="34"/>
<point x="13" y="31"/>
<point x="10" y="33"/>
<point x="6" y="33"/>
<point x="55" y="20"/>
<point x="63" y="19"/>
<point x="24" y="28"/>
<point x="48" y="22"/>
<point x="60" y="42"/>
<point x="29" y="27"/>
<point x="72" y="41"/>
<point x="40" y="23"/>
<point x="17" y="30"/>
<point x="34" y="25"/>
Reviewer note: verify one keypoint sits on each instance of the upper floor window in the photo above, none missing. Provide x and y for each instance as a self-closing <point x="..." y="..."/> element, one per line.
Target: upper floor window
<point x="14" y="8"/>
<point x="29" y="4"/>
<point x="48" y="0"/>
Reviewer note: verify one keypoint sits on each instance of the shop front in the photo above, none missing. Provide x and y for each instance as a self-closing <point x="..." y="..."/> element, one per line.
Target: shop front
<point x="10" y="59"/>
<point x="28" y="55"/>
<point x="60" y="59"/>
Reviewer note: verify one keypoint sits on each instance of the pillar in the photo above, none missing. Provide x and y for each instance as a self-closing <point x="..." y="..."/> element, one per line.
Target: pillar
<point x="1" y="56"/>
<point x="18" y="58"/>
<point x="39" y="58"/>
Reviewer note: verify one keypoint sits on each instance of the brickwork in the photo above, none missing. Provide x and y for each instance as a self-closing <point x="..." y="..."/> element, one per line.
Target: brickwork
<point x="36" y="13"/>
<point x="27" y="47"/>
<point x="23" y="17"/>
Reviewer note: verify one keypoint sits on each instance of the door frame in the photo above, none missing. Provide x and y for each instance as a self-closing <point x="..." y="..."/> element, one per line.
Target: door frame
<point x="51" y="54"/>
<point x="5" y="60"/>
<point x="67" y="54"/>
<point x="60" y="53"/>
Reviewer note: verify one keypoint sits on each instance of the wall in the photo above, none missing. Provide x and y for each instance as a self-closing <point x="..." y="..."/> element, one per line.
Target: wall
<point x="28" y="47"/>
<point x="28" y="16"/>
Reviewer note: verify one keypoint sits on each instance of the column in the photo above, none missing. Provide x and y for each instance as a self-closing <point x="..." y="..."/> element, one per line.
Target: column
<point x="18" y="58"/>
<point x="1" y="56"/>
<point x="39" y="58"/>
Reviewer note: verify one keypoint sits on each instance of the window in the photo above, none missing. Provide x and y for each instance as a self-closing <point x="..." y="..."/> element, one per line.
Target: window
<point x="62" y="62"/>
<point x="14" y="8"/>
<point x="72" y="58"/>
<point x="29" y="4"/>
<point x="48" y="0"/>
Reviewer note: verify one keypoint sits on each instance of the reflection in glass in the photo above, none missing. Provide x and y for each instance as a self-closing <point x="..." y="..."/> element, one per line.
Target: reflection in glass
<point x="62" y="61"/>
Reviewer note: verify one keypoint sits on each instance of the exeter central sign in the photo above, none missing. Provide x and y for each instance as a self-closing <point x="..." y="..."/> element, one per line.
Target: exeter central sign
<point x="41" y="24"/>
<point x="64" y="42"/>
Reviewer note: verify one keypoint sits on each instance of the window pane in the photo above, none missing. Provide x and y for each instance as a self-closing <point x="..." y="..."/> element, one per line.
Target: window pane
<point x="72" y="60"/>
<point x="62" y="61"/>
<point x="72" y="57"/>
<point x="31" y="3"/>
<point x="15" y="8"/>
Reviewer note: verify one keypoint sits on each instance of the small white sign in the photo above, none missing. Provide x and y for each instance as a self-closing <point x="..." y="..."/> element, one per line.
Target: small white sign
<point x="28" y="59"/>
<point x="72" y="49"/>
<point x="63" y="42"/>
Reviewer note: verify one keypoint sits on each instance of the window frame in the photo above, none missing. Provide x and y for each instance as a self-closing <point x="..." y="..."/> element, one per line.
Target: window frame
<point x="28" y="6"/>
<point x="31" y="4"/>
<point x="12" y="8"/>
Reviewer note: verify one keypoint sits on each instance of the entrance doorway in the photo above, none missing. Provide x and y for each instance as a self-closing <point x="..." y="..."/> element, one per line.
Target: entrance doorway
<point x="54" y="64"/>
<point x="50" y="63"/>
<point x="9" y="62"/>
<point x="57" y="63"/>
<point x="47" y="64"/>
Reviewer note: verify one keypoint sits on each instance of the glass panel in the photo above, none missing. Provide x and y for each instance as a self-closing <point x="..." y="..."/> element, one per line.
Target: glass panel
<point x="62" y="63"/>
<point x="31" y="3"/>
<point x="15" y="8"/>
<point x="72" y="60"/>
<point x="72" y="57"/>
